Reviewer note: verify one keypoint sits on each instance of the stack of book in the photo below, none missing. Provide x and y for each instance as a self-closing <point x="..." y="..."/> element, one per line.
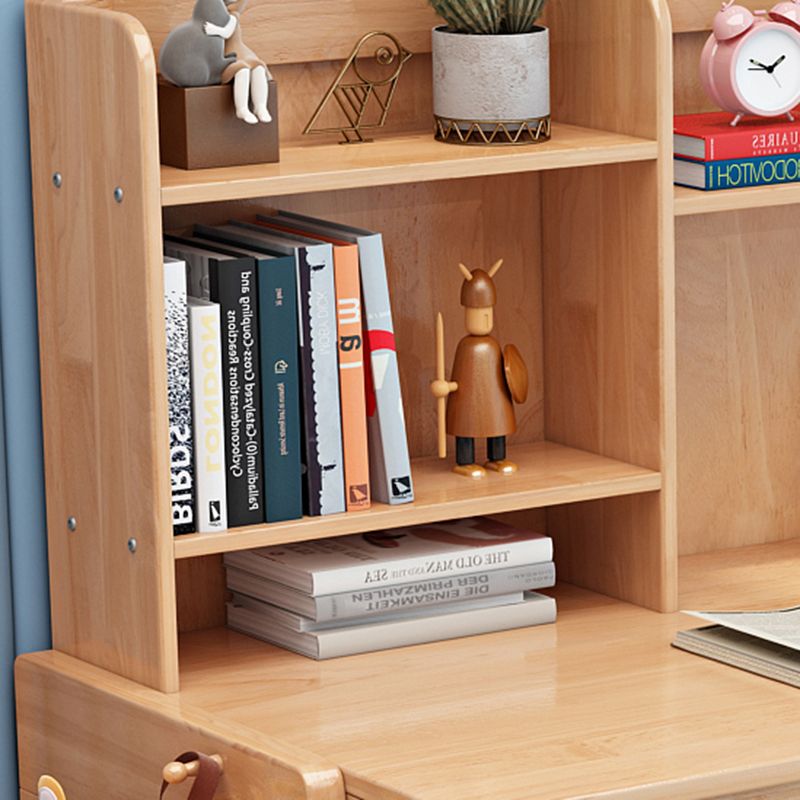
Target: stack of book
<point x="712" y="155"/>
<point x="356" y="594"/>
<point x="284" y="398"/>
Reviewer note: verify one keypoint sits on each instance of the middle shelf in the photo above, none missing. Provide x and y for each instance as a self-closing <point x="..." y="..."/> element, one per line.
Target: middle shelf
<point x="550" y="474"/>
<point x="403" y="159"/>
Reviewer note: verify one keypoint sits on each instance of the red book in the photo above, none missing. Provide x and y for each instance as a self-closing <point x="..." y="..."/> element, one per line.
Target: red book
<point x="710" y="137"/>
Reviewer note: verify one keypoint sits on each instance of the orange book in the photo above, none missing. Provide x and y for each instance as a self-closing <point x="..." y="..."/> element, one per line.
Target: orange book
<point x="351" y="369"/>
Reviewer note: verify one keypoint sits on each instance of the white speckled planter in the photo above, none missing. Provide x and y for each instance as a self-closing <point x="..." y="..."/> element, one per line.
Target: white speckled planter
<point x="491" y="88"/>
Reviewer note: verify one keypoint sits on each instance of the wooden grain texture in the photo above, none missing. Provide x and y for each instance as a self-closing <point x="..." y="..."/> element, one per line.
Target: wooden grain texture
<point x="549" y="474"/>
<point x="595" y="81"/>
<point x="101" y="327"/>
<point x="303" y="30"/>
<point x="201" y="593"/>
<point x="738" y="386"/>
<point x="692" y="201"/>
<point x="598" y="704"/>
<point x="407" y="158"/>
<point x="689" y="95"/>
<point x="697" y="15"/>
<point x="76" y="720"/>
<point x="609" y="370"/>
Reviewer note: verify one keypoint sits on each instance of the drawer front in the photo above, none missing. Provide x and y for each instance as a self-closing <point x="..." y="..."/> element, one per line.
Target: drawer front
<point x="103" y="736"/>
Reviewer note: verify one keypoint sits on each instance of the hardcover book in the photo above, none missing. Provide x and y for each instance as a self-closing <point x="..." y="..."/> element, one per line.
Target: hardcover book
<point x="710" y="137"/>
<point x="322" y="426"/>
<point x="387" y="558"/>
<point x="181" y="438"/>
<point x="535" y="609"/>
<point x="211" y="507"/>
<point x="351" y="371"/>
<point x="231" y="282"/>
<point x="391" y="599"/>
<point x="737" y="174"/>
<point x="389" y="463"/>
<point x="280" y="382"/>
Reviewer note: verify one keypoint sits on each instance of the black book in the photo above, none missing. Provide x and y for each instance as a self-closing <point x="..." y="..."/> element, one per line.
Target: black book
<point x="322" y="424"/>
<point x="231" y="280"/>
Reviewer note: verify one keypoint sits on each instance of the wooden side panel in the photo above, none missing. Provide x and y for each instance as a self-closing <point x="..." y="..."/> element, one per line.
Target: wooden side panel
<point x="427" y="229"/>
<point x="100" y="285"/>
<point x="106" y="737"/>
<point x="596" y="80"/>
<point x="697" y="15"/>
<point x="609" y="370"/>
<point x="690" y="97"/>
<point x="738" y="378"/>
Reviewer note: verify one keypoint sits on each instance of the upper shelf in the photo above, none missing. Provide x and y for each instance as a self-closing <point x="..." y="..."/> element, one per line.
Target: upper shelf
<point x="693" y="201"/>
<point x="550" y="474"/>
<point x="403" y="159"/>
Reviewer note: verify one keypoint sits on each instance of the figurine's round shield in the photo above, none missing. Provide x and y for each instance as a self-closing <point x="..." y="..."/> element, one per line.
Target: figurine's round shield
<point x="516" y="373"/>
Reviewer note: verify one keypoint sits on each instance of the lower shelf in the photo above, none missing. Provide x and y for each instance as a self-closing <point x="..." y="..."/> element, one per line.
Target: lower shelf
<point x="597" y="703"/>
<point x="549" y="474"/>
<point x="693" y="201"/>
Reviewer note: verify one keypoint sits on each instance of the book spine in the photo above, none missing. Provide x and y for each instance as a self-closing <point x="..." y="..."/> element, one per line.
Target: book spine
<point x="351" y="378"/>
<point x="476" y="559"/>
<point x="322" y="430"/>
<point x="767" y="141"/>
<point x="389" y="463"/>
<point x="440" y="591"/>
<point x="181" y="435"/>
<point x="280" y="384"/>
<point x="536" y="610"/>
<point x="752" y="172"/>
<point x="233" y="286"/>
<point x="211" y="507"/>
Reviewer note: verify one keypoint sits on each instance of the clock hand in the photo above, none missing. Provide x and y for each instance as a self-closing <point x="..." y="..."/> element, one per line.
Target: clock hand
<point x="759" y="64"/>
<point x="777" y="63"/>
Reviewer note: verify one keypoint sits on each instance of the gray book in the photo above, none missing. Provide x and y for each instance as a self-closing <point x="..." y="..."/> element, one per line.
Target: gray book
<point x="391" y="599"/>
<point x="535" y="609"/>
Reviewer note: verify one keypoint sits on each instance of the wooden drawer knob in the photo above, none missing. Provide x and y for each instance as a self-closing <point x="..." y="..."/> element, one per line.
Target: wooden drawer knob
<point x="178" y="772"/>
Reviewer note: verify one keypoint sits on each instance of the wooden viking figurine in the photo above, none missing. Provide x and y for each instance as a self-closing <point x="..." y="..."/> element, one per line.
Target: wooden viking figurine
<point x="485" y="382"/>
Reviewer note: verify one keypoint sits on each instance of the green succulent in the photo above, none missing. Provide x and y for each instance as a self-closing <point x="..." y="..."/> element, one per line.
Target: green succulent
<point x="489" y="16"/>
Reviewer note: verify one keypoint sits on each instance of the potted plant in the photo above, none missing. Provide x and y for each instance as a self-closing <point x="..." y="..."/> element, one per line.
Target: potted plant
<point x="491" y="72"/>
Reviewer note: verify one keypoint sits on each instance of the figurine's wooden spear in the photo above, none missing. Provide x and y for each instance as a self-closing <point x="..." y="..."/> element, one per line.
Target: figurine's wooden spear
<point x="441" y="402"/>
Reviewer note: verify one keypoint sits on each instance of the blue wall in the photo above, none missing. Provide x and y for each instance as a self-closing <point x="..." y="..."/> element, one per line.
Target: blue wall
<point x="24" y="603"/>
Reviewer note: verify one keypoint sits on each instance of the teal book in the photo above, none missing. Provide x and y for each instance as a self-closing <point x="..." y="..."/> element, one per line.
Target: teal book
<point x="738" y="173"/>
<point x="280" y="382"/>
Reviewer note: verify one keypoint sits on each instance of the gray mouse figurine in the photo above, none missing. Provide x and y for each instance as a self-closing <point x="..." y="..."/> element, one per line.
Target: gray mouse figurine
<point x="193" y="54"/>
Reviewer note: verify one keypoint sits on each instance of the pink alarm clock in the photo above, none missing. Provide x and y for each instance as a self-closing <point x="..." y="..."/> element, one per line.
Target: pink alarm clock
<point x="751" y="62"/>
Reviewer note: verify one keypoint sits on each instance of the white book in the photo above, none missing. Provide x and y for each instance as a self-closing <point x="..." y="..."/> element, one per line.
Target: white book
<point x="297" y="622"/>
<point x="179" y="394"/>
<point x="427" y="593"/>
<point x="536" y="609"/>
<point x="209" y="434"/>
<point x="386" y="558"/>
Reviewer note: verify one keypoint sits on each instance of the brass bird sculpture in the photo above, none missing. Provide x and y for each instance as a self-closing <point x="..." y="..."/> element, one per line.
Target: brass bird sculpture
<point x="363" y="99"/>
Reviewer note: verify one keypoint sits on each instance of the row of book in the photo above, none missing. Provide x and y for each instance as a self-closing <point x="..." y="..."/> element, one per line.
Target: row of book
<point x="710" y="154"/>
<point x="360" y="593"/>
<point x="284" y="398"/>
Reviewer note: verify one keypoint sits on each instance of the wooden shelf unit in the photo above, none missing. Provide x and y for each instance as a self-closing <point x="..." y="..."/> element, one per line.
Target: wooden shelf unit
<point x="691" y="202"/>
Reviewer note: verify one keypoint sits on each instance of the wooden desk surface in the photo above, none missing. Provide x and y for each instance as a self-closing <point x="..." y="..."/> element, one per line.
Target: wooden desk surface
<point x="598" y="705"/>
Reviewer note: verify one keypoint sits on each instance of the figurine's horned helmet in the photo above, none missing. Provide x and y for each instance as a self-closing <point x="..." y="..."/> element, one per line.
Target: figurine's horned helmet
<point x="478" y="290"/>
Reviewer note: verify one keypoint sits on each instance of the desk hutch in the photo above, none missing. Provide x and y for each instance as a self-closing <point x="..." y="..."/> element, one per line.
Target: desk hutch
<point x="625" y="460"/>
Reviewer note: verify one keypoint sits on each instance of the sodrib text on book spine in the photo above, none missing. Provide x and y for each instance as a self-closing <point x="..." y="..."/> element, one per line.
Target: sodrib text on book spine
<point x="181" y="433"/>
<point x="206" y="360"/>
<point x="753" y="172"/>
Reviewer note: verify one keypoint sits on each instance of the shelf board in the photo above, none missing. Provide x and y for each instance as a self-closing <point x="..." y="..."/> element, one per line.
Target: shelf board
<point x="594" y="705"/>
<point x="403" y="159"/>
<point x="549" y="474"/>
<point x="693" y="201"/>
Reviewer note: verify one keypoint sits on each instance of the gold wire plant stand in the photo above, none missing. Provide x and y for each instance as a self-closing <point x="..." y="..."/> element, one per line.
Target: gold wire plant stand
<point x="506" y="132"/>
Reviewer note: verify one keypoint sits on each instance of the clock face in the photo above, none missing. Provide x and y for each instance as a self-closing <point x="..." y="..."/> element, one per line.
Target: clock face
<point x="767" y="70"/>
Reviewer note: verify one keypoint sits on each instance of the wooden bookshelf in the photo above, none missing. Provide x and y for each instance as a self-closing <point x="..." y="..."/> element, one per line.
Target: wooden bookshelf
<point x="403" y="159"/>
<point x="549" y="475"/>
<point x="690" y="202"/>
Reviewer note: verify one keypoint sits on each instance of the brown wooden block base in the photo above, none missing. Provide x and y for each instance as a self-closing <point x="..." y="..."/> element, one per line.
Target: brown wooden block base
<point x="198" y="128"/>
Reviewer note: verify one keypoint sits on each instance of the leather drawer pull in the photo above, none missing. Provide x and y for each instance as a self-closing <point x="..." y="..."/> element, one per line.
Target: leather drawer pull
<point x="206" y="771"/>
